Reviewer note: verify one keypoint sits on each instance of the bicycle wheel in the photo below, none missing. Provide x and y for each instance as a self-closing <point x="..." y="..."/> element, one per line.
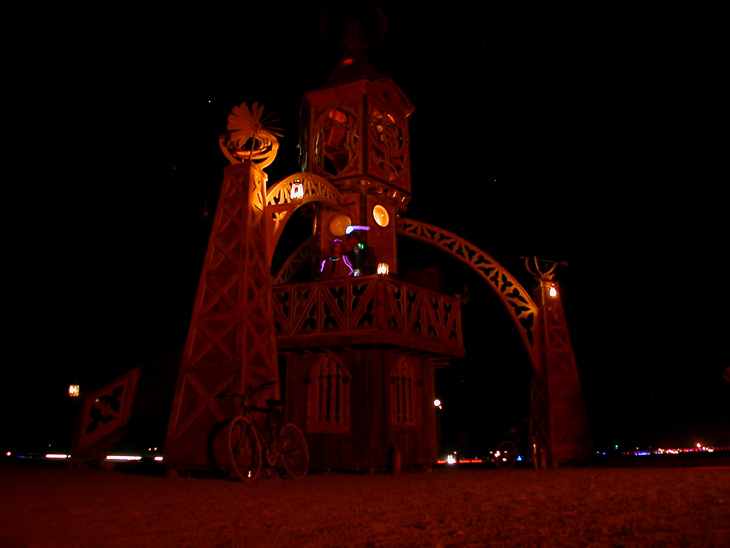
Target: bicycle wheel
<point x="506" y="455"/>
<point x="294" y="452"/>
<point x="244" y="449"/>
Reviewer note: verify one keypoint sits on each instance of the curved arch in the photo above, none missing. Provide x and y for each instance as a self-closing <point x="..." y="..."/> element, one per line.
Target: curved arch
<point x="522" y="309"/>
<point x="289" y="194"/>
<point x="295" y="261"/>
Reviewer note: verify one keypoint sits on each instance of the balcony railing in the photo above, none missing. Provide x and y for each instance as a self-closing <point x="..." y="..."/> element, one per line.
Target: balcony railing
<point x="367" y="310"/>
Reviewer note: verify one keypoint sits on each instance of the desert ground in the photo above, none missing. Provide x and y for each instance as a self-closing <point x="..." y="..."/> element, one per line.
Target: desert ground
<point x="447" y="507"/>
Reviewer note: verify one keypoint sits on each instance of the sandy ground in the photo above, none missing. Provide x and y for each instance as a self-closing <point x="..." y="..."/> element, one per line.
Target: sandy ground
<point x="678" y="506"/>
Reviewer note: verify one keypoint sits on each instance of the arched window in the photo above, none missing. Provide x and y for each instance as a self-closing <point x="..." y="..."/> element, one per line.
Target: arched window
<point x="336" y="133"/>
<point x="406" y="394"/>
<point x="328" y="397"/>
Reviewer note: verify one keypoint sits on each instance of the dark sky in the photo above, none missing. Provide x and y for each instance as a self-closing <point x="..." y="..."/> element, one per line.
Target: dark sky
<point x="549" y="134"/>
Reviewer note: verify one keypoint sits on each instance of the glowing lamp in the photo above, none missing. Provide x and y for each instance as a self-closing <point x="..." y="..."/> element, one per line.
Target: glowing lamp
<point x="381" y="216"/>
<point x="74" y="390"/>
<point x="436" y="402"/>
<point x="553" y="291"/>
<point x="383" y="269"/>
<point x="338" y="225"/>
<point x="297" y="190"/>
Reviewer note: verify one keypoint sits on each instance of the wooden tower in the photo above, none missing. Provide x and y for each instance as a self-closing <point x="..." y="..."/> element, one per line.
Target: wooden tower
<point x="353" y="349"/>
<point x="361" y="347"/>
<point x="230" y="343"/>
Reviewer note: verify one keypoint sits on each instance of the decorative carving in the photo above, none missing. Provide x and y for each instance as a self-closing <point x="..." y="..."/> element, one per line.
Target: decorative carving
<point x="388" y="133"/>
<point x="388" y="140"/>
<point x="306" y="187"/>
<point x="372" y="304"/>
<point x="540" y="274"/>
<point x="337" y="140"/>
<point x="249" y="138"/>
<point x="284" y="197"/>
<point x="105" y="414"/>
<point x="328" y="396"/>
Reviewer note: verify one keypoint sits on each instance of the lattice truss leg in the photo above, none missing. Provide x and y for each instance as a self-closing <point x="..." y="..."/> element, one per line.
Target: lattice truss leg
<point x="231" y="341"/>
<point x="558" y="393"/>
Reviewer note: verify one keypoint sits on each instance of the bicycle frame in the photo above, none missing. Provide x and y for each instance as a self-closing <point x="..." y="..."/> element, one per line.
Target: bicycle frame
<point x="280" y="444"/>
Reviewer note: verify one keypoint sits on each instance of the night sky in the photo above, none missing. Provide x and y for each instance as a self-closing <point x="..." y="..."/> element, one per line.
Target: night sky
<point x="549" y="134"/>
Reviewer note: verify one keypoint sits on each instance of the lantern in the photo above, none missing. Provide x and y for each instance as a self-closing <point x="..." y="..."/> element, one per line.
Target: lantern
<point x="297" y="190"/>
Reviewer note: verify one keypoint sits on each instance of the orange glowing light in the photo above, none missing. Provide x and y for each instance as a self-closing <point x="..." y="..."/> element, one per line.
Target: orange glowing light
<point x="383" y="269"/>
<point x="73" y="390"/>
<point x="553" y="291"/>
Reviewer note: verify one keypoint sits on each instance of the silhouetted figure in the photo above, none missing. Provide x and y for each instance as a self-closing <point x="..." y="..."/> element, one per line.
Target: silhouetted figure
<point x="337" y="265"/>
<point x="358" y="254"/>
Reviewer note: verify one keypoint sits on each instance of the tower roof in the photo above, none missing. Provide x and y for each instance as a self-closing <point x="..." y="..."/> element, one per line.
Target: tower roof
<point x="354" y="64"/>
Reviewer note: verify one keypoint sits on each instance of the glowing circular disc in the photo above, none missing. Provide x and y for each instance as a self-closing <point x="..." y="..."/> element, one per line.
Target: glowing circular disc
<point x="380" y="214"/>
<point x="339" y="224"/>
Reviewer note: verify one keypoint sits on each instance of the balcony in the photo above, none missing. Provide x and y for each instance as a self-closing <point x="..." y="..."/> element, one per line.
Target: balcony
<point x="367" y="311"/>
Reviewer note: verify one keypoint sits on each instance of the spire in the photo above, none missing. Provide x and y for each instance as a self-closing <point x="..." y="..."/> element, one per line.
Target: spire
<point x="354" y="64"/>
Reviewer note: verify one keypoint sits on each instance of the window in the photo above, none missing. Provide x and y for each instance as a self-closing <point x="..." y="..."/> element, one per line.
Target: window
<point x="405" y="394"/>
<point x="328" y="397"/>
<point x="336" y="132"/>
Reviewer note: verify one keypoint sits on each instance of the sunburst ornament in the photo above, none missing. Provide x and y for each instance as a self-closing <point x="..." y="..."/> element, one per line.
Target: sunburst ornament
<point x="249" y="138"/>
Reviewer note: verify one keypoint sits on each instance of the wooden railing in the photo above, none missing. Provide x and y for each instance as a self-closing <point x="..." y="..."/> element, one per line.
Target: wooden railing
<point x="367" y="310"/>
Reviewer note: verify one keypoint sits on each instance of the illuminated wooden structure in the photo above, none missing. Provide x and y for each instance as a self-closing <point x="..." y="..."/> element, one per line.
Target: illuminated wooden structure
<point x="354" y="356"/>
<point x="355" y="135"/>
<point x="231" y="342"/>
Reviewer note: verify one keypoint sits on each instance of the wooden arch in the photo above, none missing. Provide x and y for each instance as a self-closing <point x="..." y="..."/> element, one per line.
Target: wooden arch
<point x="295" y="261"/>
<point x="289" y="194"/>
<point x="520" y="306"/>
<point x="522" y="309"/>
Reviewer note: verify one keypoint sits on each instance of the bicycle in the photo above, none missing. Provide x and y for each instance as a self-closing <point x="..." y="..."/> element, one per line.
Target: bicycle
<point x="283" y="447"/>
